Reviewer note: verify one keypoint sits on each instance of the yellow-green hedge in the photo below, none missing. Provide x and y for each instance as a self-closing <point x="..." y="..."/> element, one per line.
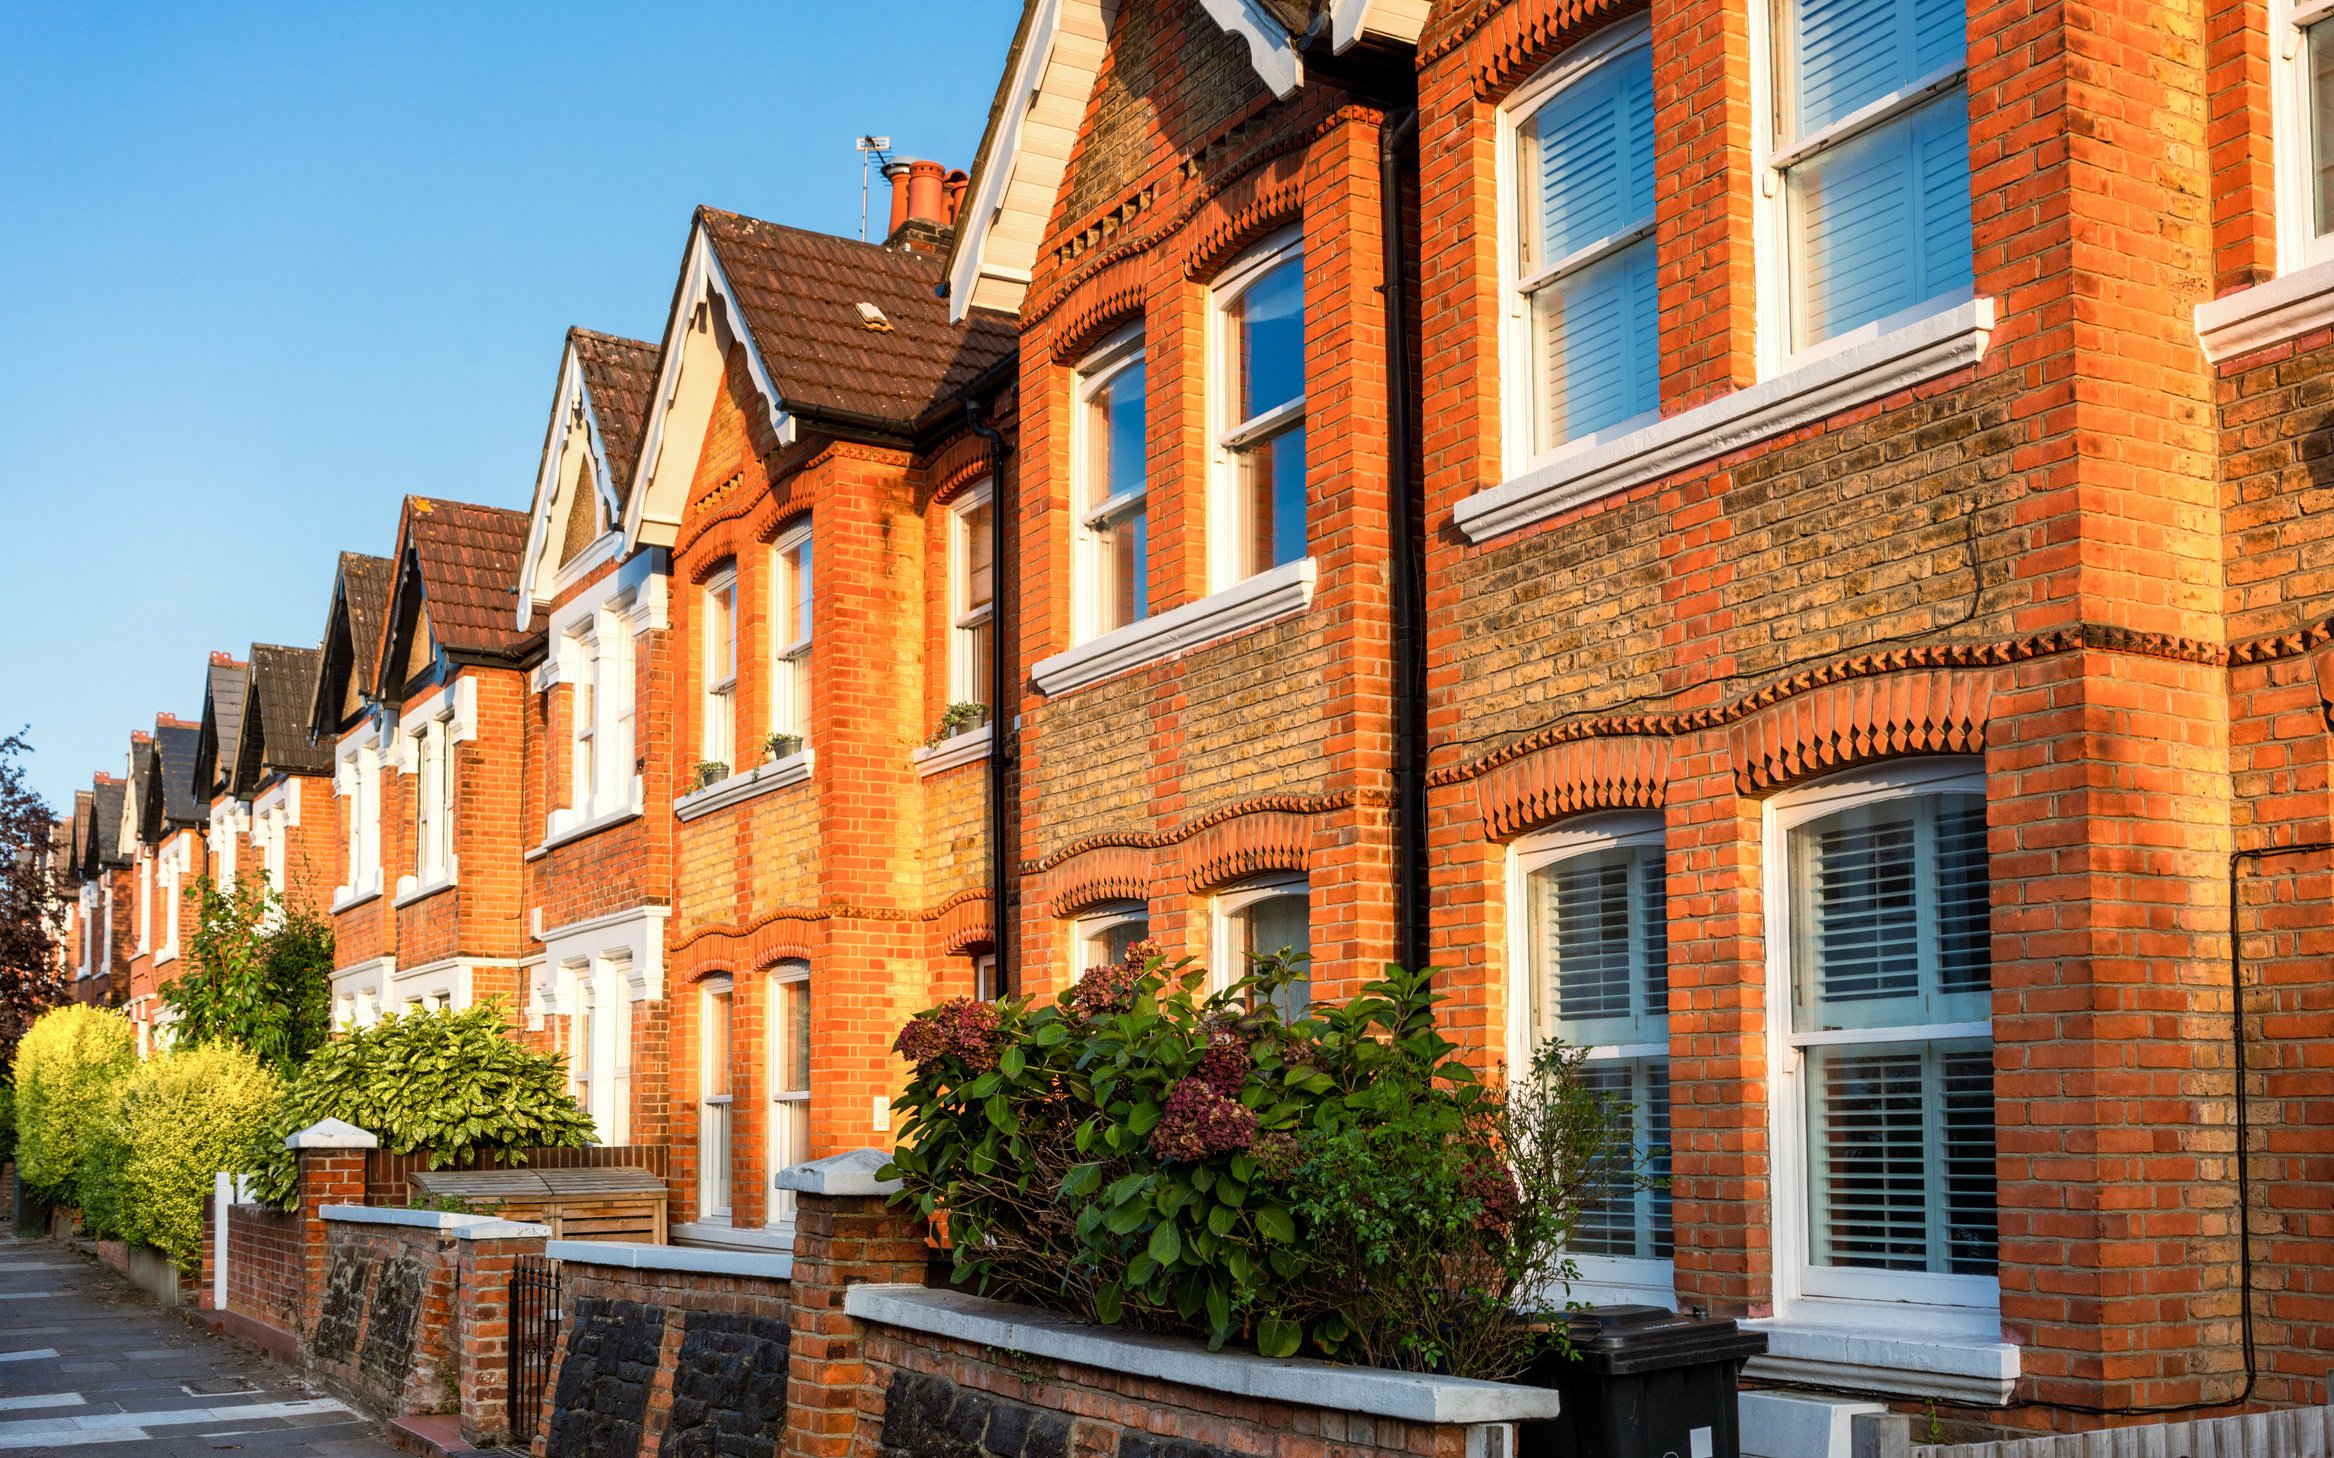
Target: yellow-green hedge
<point x="67" y="1068"/>
<point x="172" y="1126"/>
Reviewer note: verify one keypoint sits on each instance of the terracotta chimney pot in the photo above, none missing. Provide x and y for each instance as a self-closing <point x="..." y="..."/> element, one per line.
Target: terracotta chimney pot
<point x="958" y="181"/>
<point x="896" y="173"/>
<point x="926" y="192"/>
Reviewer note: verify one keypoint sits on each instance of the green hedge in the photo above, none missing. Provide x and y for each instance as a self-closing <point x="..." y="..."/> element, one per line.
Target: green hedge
<point x="67" y="1068"/>
<point x="453" y="1083"/>
<point x="172" y="1126"/>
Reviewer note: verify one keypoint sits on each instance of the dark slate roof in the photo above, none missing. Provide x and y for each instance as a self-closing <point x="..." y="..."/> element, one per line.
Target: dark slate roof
<point x="222" y="731"/>
<point x="465" y="561"/>
<point x="800" y="292"/>
<point x="77" y="854"/>
<point x="283" y="684"/>
<point x="105" y="824"/>
<point x="621" y="375"/>
<point x="174" y="746"/>
<point x="145" y="776"/>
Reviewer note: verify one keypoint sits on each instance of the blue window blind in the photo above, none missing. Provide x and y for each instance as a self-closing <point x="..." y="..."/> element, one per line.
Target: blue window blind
<point x="1588" y="171"/>
<point x="1890" y="915"/>
<point x="1901" y="1158"/>
<point x="1879" y="222"/>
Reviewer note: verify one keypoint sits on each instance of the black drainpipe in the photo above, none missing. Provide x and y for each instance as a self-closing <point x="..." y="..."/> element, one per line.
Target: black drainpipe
<point x="1397" y="165"/>
<point x="1001" y="679"/>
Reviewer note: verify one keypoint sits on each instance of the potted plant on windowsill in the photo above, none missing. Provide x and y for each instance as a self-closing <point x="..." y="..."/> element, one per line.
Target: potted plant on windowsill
<point x="781" y="746"/>
<point x="956" y="719"/>
<point x="711" y="772"/>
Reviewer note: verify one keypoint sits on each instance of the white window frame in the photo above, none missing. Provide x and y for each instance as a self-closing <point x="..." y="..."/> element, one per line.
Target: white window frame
<point x="789" y="701"/>
<point x="2299" y="244"/>
<point x="433" y="821"/>
<point x="1227" y="546"/>
<point x="1919" y="1301"/>
<point x="965" y="621"/>
<point x="1603" y="1278"/>
<point x="719" y="696"/>
<point x="1097" y="922"/>
<point x="1776" y="351"/>
<point x="785" y="1102"/>
<point x="715" y="1175"/>
<point x="145" y="903"/>
<point x="581" y="1032"/>
<point x="1105" y="363"/>
<point x="584" y="777"/>
<point x="357" y="780"/>
<point x="985" y="968"/>
<point x="1518" y="372"/>
<point x="1230" y="959"/>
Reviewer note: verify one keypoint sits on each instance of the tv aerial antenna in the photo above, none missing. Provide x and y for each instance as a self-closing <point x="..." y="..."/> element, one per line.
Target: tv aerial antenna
<point x="873" y="152"/>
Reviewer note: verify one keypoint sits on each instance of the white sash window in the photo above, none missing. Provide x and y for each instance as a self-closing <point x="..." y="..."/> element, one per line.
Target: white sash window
<point x="1257" y="521"/>
<point x="1110" y="466"/>
<point x="789" y="1078"/>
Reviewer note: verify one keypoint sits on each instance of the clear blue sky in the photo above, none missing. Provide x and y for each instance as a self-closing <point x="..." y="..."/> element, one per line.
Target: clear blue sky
<point x="266" y="268"/>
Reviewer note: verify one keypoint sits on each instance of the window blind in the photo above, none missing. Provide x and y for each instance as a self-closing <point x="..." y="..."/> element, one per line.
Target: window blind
<point x="2319" y="43"/>
<point x="1901" y="1156"/>
<point x="1847" y="54"/>
<point x="1588" y="155"/>
<point x="1623" y="1218"/>
<point x="1892" y="907"/>
<point x="1602" y="924"/>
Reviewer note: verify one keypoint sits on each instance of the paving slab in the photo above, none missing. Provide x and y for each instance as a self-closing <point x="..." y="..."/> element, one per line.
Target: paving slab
<point x="90" y="1366"/>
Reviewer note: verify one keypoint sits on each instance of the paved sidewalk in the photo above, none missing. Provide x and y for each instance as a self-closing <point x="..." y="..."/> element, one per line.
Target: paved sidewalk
<point x="89" y="1365"/>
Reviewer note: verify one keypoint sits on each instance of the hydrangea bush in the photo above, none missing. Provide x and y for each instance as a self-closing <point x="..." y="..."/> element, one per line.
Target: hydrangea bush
<point x="1141" y="1150"/>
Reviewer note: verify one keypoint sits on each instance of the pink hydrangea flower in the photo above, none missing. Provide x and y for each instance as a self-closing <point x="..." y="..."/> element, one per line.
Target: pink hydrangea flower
<point x="1199" y="1122"/>
<point x="961" y="1028"/>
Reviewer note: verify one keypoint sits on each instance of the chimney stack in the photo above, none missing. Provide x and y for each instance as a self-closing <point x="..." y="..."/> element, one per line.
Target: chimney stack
<point x="924" y="200"/>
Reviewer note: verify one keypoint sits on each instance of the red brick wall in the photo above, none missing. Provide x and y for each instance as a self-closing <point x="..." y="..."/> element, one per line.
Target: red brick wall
<point x="429" y="1380"/>
<point x="266" y="1277"/>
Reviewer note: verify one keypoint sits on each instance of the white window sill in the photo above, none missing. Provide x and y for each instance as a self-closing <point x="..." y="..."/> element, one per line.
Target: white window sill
<point x="564" y="827"/>
<point x="2266" y="314"/>
<point x="1268" y="595"/>
<point x="1861" y="366"/>
<point x="343" y="899"/>
<point x="744" y="785"/>
<point x="721" y="1235"/>
<point x="1857" y="1359"/>
<point x="411" y="889"/>
<point x="956" y="749"/>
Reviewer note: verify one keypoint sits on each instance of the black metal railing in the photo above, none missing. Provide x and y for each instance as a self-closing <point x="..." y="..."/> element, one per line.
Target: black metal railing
<point x="534" y="1339"/>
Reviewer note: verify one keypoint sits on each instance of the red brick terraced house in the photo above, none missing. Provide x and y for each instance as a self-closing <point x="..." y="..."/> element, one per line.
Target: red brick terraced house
<point x="139" y="777"/>
<point x="107" y="892"/>
<point x="286" y="780"/>
<point x="811" y="478"/>
<point x="169" y="855"/>
<point x="1192" y="226"/>
<point x="597" y="797"/>
<point x="344" y="713"/>
<point x="226" y="684"/>
<point x="72" y="850"/>
<point x="1868" y="609"/>
<point x="451" y="682"/>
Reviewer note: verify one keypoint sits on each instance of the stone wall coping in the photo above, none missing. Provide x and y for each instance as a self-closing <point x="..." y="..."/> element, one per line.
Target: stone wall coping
<point x="687" y="1259"/>
<point x="1415" y="1397"/>
<point x="851" y="1173"/>
<point x="332" y="1134"/>
<point x="466" y="1227"/>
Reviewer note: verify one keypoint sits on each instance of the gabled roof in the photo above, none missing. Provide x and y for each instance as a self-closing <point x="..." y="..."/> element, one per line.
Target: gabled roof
<point x="139" y="805"/>
<point x="456" y="571"/>
<point x="1041" y="101"/>
<point x="352" y="639"/>
<point x="105" y="814"/>
<point x="603" y="389"/>
<point x="222" y="728"/>
<point x="174" y="746"/>
<point x="275" y="719"/>
<point x="850" y="335"/>
<point x="77" y="852"/>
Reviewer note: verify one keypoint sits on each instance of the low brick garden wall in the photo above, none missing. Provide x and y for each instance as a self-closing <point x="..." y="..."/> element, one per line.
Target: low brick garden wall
<point x="680" y="1351"/>
<point x="266" y="1282"/>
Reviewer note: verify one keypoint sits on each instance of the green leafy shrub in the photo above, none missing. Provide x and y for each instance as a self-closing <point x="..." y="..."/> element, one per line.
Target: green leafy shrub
<point x="1141" y="1151"/>
<point x="67" y="1067"/>
<point x="173" y="1125"/>
<point x="449" y="1082"/>
<point x="258" y="974"/>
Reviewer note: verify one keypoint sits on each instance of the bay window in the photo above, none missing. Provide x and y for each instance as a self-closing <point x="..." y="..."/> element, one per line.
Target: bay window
<point x="1879" y="918"/>
<point x="1869" y="161"/>
<point x="714" y="1026"/>
<point x="1582" y="297"/>
<point x="791" y="616"/>
<point x="1264" y="918"/>
<point x="972" y="599"/>
<point x="789" y="1078"/>
<point x="1258" y="413"/>
<point x="719" y="739"/>
<point x="1109" y="447"/>
<point x="1592" y="929"/>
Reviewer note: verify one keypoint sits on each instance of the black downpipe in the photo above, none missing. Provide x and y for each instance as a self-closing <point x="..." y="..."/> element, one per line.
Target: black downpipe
<point x="1001" y="678"/>
<point x="1397" y="169"/>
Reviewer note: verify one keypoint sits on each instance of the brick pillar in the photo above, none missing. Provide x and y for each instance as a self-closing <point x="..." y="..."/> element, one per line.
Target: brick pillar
<point x="332" y="1172"/>
<point x="484" y="1259"/>
<point x="844" y="1234"/>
